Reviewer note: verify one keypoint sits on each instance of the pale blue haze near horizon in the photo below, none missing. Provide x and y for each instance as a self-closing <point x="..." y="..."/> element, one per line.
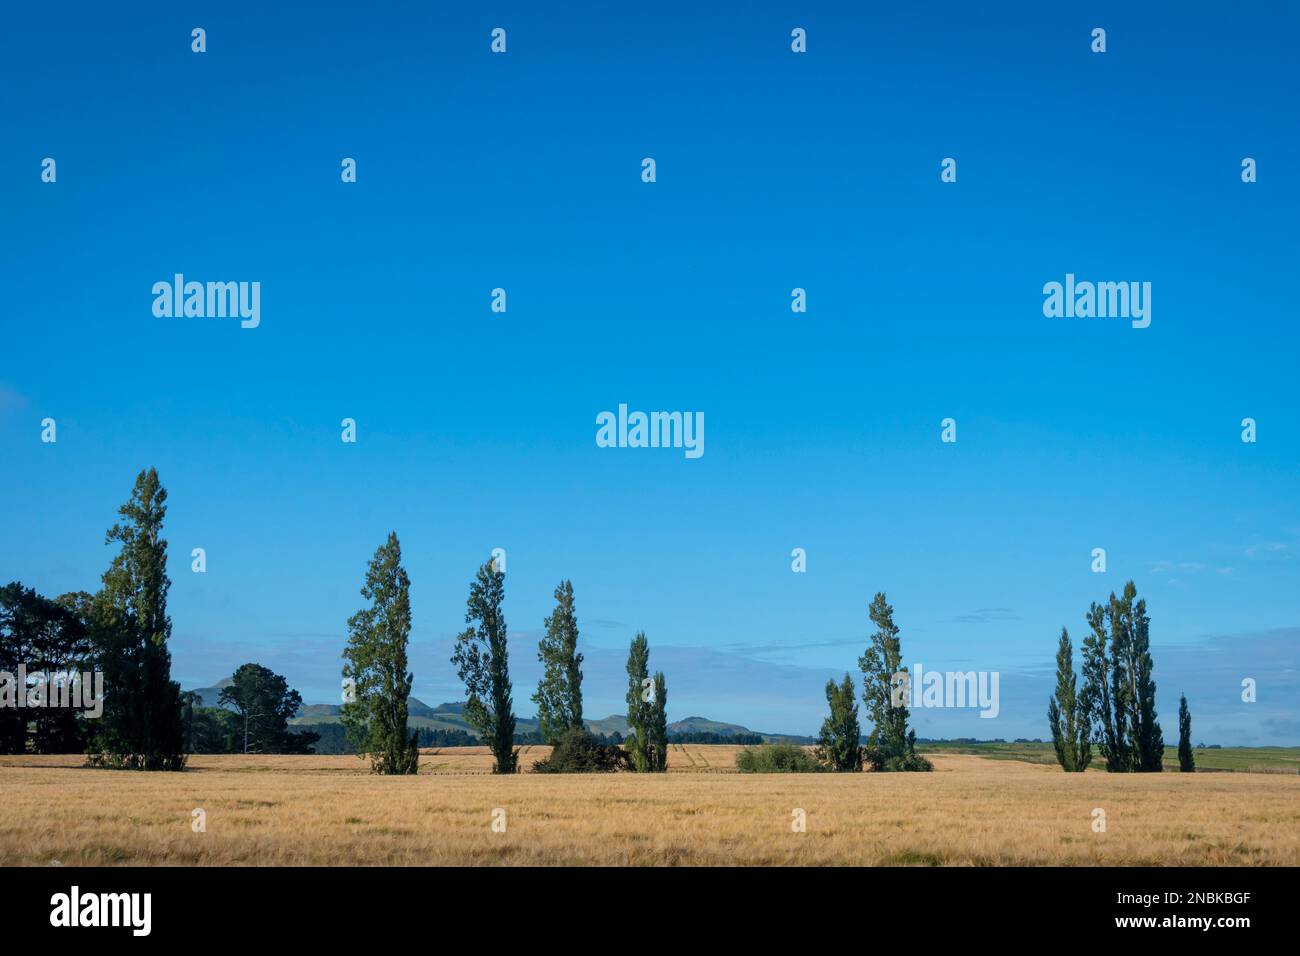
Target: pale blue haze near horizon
<point x="775" y="171"/>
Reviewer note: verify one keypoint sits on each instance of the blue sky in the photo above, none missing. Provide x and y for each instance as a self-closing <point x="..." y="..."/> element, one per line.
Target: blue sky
<point x="775" y="171"/>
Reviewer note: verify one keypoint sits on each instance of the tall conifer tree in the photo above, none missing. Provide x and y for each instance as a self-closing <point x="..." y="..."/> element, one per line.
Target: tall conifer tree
<point x="559" y="692"/>
<point x="839" y="745"/>
<point x="639" y="708"/>
<point x="1186" y="764"/>
<point x="890" y="745"/>
<point x="1068" y="713"/>
<point x="659" y="724"/>
<point x="141" y="726"/>
<point x="1148" y="741"/>
<point x="482" y="661"/>
<point x="376" y="662"/>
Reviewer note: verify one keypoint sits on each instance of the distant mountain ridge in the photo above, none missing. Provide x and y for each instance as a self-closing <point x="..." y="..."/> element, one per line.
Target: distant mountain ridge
<point x="448" y="716"/>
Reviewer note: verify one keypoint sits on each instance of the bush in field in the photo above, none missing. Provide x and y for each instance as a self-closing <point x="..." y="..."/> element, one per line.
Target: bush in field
<point x="881" y="760"/>
<point x="777" y="758"/>
<point x="578" y="751"/>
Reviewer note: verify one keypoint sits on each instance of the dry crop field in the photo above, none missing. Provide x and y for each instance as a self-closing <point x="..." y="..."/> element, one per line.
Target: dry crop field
<point x="327" y="810"/>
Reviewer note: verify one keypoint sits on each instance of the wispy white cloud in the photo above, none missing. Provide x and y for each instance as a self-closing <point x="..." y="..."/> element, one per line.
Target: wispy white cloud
<point x="1185" y="567"/>
<point x="987" y="615"/>
<point x="1266" y="549"/>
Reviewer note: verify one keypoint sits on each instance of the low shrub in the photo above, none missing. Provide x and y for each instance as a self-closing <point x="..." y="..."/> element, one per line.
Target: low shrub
<point x="881" y="761"/>
<point x="577" y="751"/>
<point x="777" y="758"/>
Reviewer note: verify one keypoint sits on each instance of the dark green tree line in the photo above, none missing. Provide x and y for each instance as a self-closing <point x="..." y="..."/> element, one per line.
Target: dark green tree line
<point x="210" y="730"/>
<point x="43" y="642"/>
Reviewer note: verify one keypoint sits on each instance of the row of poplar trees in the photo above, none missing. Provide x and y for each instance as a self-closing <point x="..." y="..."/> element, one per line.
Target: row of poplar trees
<point x="378" y="683"/>
<point x="1115" y="709"/>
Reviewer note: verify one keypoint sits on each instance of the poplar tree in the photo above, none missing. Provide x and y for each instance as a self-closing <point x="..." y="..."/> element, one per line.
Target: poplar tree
<point x="376" y="716"/>
<point x="1119" y="685"/>
<point x="1104" y="685"/>
<point x="1068" y="713"/>
<point x="639" y="708"/>
<point x="1185" y="762"/>
<point x="1148" y="740"/>
<point x="839" y="745"/>
<point x="482" y="661"/>
<point x="559" y="692"/>
<point x="890" y="745"/>
<point x="659" y="724"/>
<point x="141" y="726"/>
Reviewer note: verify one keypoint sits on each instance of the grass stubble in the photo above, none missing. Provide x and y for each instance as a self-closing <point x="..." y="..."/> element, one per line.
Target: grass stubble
<point x="328" y="811"/>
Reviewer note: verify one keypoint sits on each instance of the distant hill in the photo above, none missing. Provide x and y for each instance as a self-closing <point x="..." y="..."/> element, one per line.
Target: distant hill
<point x="209" y="695"/>
<point x="693" y="725"/>
<point x="449" y="716"/>
<point x="317" y="714"/>
<point x="419" y="715"/>
<point x="690" y="725"/>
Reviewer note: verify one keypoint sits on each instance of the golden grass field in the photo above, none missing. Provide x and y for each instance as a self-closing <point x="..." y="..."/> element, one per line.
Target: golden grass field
<point x="327" y="810"/>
